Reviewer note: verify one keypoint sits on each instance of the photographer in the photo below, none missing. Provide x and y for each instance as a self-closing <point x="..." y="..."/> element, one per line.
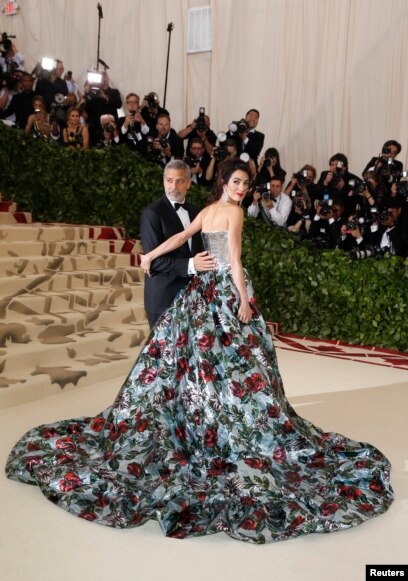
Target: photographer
<point x="386" y="162"/>
<point x="388" y="232"/>
<point x="133" y="128"/>
<point x="226" y="149"/>
<point x="166" y="144"/>
<point x="300" y="217"/>
<point x="198" y="160"/>
<point x="151" y="110"/>
<point x="74" y="134"/>
<point x="10" y="58"/>
<point x="351" y="235"/>
<point x="100" y="99"/>
<point x="247" y="138"/>
<point x="304" y="181"/>
<point x="50" y="84"/>
<point x="335" y="181"/>
<point x="275" y="203"/>
<point x="38" y="122"/>
<point x="21" y="104"/>
<point x="200" y="128"/>
<point x="325" y="229"/>
<point x="269" y="167"/>
<point x="108" y="132"/>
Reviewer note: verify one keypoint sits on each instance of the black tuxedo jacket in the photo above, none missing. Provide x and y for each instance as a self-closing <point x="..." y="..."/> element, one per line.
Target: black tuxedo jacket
<point x="169" y="273"/>
<point x="253" y="147"/>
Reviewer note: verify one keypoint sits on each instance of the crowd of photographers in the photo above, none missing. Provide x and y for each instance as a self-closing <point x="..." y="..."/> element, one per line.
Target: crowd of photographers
<point x="365" y="216"/>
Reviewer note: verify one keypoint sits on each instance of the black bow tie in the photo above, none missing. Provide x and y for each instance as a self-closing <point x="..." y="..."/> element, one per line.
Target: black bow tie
<point x="177" y="206"/>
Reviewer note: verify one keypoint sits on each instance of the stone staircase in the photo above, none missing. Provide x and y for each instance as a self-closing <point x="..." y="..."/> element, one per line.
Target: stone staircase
<point x="71" y="306"/>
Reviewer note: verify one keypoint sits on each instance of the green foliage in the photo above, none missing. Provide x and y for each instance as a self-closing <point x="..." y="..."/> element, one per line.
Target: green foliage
<point x="310" y="292"/>
<point x="325" y="294"/>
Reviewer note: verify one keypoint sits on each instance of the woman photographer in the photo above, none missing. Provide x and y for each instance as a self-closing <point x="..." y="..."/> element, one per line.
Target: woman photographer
<point x="75" y="134"/>
<point x="270" y="167"/>
<point x="38" y="122"/>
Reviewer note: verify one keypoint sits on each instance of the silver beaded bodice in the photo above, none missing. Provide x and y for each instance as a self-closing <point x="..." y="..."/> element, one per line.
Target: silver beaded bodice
<point x="216" y="243"/>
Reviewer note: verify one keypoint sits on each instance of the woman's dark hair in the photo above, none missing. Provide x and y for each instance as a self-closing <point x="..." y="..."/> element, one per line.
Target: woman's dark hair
<point x="277" y="168"/>
<point x="225" y="170"/>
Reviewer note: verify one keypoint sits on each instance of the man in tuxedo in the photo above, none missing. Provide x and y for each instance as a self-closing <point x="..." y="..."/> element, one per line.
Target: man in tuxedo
<point x="161" y="220"/>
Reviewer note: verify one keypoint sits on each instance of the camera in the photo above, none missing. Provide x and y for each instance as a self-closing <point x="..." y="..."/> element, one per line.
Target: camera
<point x="59" y="108"/>
<point x="265" y="191"/>
<point x="325" y="206"/>
<point x="402" y="188"/>
<point x="163" y="143"/>
<point x="370" y="250"/>
<point x="152" y="100"/>
<point x="302" y="177"/>
<point x="383" y="215"/>
<point x="386" y="150"/>
<point x="191" y="162"/>
<point x="358" y="186"/>
<point x="6" y="42"/>
<point x="201" y="124"/>
<point x="238" y="126"/>
<point x="108" y="127"/>
<point x="351" y="225"/>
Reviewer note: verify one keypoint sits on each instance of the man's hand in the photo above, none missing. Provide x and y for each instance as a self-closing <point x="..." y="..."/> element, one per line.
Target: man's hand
<point x="197" y="169"/>
<point x="268" y="203"/>
<point x="203" y="261"/>
<point x="256" y="198"/>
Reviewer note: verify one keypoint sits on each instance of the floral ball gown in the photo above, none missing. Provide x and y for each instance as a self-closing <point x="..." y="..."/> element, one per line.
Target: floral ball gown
<point x="202" y="438"/>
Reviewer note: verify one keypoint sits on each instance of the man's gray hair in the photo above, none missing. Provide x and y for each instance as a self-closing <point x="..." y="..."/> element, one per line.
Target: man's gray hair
<point x="178" y="164"/>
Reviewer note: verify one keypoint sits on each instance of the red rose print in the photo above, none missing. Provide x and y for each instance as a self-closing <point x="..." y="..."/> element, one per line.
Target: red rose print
<point x="255" y="383"/>
<point x="297" y="521"/>
<point x="98" y="424"/>
<point x="182" y="367"/>
<point x="201" y="496"/>
<point x="237" y="389"/>
<point x="74" y="429"/>
<point x="248" y="524"/>
<point x="182" y="340"/>
<point x="244" y="351"/>
<point x="102" y="501"/>
<point x="279" y="455"/>
<point x="328" y="508"/>
<point x="33" y="461"/>
<point x="210" y="291"/>
<point x="210" y="437"/>
<point x="69" y="482"/>
<point x="117" y="430"/>
<point x="180" y="433"/>
<point x="48" y="433"/>
<point x="178" y="534"/>
<point x="256" y="463"/>
<point x="247" y="501"/>
<point x="142" y="424"/>
<point x="287" y="427"/>
<point x="317" y="461"/>
<point x="252" y="340"/>
<point x="87" y="515"/>
<point x="273" y="411"/>
<point x="63" y="458"/>
<point x="32" y="447"/>
<point x="365" y="507"/>
<point x="376" y="486"/>
<point x="197" y="417"/>
<point x="205" y="342"/>
<point x="181" y="457"/>
<point x="361" y="464"/>
<point x="154" y="350"/>
<point x="169" y="393"/>
<point x="349" y="491"/>
<point x="134" y="499"/>
<point x="65" y="443"/>
<point x="147" y="375"/>
<point x="226" y="339"/>
<point x="165" y="473"/>
<point x="292" y="476"/>
<point x="135" y="469"/>
<point x="207" y="372"/>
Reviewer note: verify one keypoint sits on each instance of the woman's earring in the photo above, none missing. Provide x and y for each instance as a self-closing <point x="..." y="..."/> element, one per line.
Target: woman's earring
<point x="225" y="195"/>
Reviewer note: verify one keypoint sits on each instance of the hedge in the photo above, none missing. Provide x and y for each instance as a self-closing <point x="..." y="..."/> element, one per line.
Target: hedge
<point x="309" y="291"/>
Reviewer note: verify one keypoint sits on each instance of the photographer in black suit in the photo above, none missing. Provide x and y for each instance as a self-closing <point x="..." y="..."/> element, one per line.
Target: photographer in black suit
<point x="247" y="138"/>
<point x="161" y="220"/>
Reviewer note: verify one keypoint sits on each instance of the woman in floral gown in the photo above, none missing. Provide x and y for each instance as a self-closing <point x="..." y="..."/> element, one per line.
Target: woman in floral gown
<point x="201" y="436"/>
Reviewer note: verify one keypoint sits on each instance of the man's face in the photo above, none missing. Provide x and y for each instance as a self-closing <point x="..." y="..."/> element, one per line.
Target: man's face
<point x="252" y="119"/>
<point x="59" y="69"/>
<point x="176" y="184"/>
<point x="196" y="150"/>
<point x="393" y="151"/>
<point x="163" y="126"/>
<point x="276" y="188"/>
<point x="27" y="83"/>
<point x="337" y="166"/>
<point x="132" y="104"/>
<point x="393" y="215"/>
